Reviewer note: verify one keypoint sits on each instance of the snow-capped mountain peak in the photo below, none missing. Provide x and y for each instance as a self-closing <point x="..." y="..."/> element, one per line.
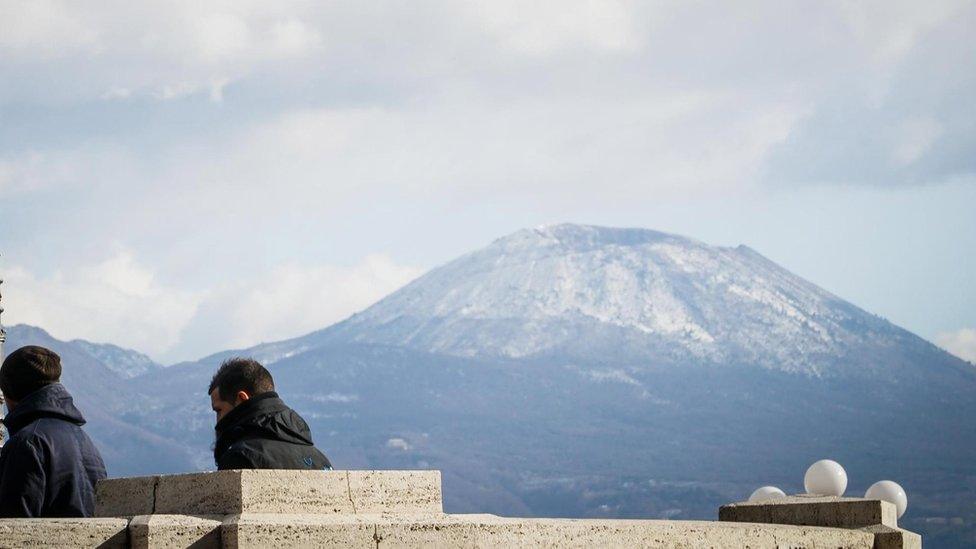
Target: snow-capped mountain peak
<point x="579" y="290"/>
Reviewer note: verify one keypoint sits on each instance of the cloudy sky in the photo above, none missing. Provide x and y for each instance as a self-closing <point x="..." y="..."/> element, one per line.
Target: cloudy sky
<point x="185" y="177"/>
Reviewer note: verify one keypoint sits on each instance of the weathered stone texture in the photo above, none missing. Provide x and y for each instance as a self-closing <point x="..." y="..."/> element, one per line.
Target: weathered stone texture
<point x="152" y="531"/>
<point x="125" y="497"/>
<point x="283" y="531"/>
<point x="272" y="491"/>
<point x="282" y="509"/>
<point x="490" y="531"/>
<point x="886" y="537"/>
<point x="396" y="491"/>
<point x="66" y="532"/>
<point x="837" y="512"/>
<point x="217" y="493"/>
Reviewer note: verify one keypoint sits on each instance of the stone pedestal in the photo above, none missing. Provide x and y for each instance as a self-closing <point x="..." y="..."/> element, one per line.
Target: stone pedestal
<point x="868" y="515"/>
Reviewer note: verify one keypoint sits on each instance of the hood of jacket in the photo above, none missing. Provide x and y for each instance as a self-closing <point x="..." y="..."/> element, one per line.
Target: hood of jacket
<point x="263" y="416"/>
<point x="51" y="401"/>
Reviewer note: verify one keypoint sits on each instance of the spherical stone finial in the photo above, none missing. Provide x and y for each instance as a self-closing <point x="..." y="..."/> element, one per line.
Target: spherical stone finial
<point x="890" y="491"/>
<point x="825" y="478"/>
<point x="766" y="493"/>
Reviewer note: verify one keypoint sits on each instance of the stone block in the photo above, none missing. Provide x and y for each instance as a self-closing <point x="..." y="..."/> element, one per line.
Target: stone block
<point x="153" y="531"/>
<point x="271" y="491"/>
<point x="64" y="532"/>
<point x="886" y="537"/>
<point x="125" y="497"/>
<point x="837" y="512"/>
<point x="439" y="530"/>
<point x="284" y="491"/>
<point x="214" y="493"/>
<point x="399" y="491"/>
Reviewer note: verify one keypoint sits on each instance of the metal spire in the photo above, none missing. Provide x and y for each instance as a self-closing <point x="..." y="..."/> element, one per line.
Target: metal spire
<point x="3" y="333"/>
<point x="3" y="339"/>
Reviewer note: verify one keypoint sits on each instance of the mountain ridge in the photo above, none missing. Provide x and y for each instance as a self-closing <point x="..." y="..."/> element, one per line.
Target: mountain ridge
<point x="665" y="294"/>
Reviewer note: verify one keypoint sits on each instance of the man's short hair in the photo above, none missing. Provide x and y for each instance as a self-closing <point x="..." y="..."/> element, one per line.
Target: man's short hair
<point x="241" y="374"/>
<point x="28" y="369"/>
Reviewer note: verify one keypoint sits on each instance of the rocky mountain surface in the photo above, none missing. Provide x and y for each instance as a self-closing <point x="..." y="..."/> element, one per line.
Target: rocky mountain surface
<point x="629" y="295"/>
<point x="125" y="362"/>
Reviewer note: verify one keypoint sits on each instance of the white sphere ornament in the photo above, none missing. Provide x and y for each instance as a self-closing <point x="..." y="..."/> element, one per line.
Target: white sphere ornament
<point x="890" y="491"/>
<point x="766" y="493"/>
<point x="825" y="478"/>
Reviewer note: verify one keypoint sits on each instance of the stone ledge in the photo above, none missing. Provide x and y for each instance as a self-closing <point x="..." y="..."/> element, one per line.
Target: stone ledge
<point x="281" y="530"/>
<point x="804" y="510"/>
<point x="64" y="532"/>
<point x="271" y="491"/>
<point x="280" y="509"/>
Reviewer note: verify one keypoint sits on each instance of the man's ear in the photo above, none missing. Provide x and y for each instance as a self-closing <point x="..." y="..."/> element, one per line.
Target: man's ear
<point x="242" y="397"/>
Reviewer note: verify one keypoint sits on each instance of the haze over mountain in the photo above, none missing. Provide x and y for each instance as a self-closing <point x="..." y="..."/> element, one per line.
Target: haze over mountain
<point x="588" y="371"/>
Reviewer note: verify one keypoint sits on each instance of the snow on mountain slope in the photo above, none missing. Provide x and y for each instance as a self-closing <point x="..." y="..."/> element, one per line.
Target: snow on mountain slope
<point x="595" y="291"/>
<point x="125" y="362"/>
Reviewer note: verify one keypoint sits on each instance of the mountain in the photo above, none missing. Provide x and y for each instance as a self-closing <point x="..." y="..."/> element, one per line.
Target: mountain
<point x="602" y="294"/>
<point x="588" y="371"/>
<point x="598" y="372"/>
<point x="124" y="362"/>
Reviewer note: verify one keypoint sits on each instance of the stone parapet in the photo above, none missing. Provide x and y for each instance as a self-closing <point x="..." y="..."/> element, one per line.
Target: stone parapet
<point x="271" y="491"/>
<point x="282" y="509"/>
<point x="254" y="531"/>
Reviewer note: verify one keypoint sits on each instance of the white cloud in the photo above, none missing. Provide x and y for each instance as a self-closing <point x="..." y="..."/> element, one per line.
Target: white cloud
<point x="915" y="137"/>
<point x="219" y="36"/>
<point x="117" y="300"/>
<point x="70" y="169"/>
<point x="162" y="50"/>
<point x="295" y="299"/>
<point x="961" y="343"/>
<point x="292" y="38"/>
<point x="289" y="300"/>
<point x="542" y="28"/>
<point x="42" y="30"/>
<point x="120" y="300"/>
<point x="888" y="30"/>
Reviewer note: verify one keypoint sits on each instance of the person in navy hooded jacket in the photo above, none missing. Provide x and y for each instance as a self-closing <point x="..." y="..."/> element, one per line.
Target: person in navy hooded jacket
<point x="49" y="466"/>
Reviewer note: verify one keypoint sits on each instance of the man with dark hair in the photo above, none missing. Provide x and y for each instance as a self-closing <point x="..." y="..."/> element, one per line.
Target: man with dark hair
<point x="49" y="466"/>
<point x="255" y="430"/>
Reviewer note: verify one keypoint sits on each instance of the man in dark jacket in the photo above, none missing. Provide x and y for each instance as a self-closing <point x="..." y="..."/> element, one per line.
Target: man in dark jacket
<point x="255" y="430"/>
<point x="49" y="466"/>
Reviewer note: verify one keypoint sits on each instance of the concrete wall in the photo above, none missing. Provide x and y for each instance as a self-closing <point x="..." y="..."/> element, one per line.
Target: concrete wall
<point x="403" y="509"/>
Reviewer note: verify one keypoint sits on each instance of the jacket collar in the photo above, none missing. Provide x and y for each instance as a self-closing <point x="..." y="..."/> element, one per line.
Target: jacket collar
<point x="52" y="401"/>
<point x="263" y="403"/>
